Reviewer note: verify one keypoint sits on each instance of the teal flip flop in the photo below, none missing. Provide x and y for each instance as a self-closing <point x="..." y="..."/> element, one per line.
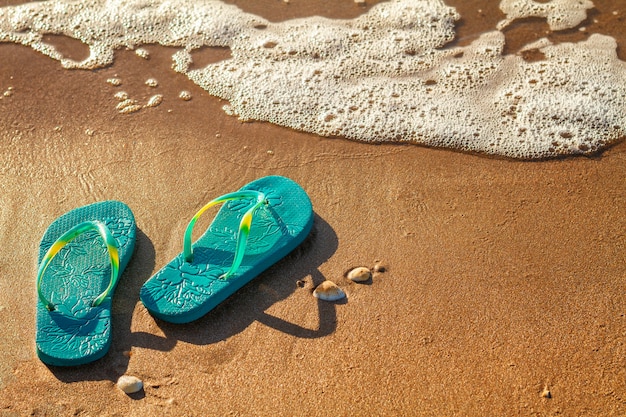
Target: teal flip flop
<point x="81" y="257"/>
<point x="255" y="228"/>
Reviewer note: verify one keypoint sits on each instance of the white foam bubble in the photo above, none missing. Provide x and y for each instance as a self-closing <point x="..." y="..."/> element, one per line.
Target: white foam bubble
<point x="128" y="106"/>
<point x="560" y="14"/>
<point x="384" y="76"/>
<point x="155" y="100"/>
<point x="116" y="82"/>
<point x="121" y="95"/>
<point x="143" y="53"/>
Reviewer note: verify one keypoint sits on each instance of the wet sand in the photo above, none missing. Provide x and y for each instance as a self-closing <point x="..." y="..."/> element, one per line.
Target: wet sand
<point x="504" y="280"/>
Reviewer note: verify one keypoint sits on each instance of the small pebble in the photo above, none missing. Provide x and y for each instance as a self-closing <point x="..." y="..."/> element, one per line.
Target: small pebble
<point x="546" y="393"/>
<point x="360" y="274"/>
<point x="379" y="268"/>
<point x="328" y="291"/>
<point x="129" y="384"/>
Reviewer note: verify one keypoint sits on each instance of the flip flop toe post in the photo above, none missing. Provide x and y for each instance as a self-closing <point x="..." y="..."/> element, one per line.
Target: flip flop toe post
<point x="81" y="257"/>
<point x="255" y="228"/>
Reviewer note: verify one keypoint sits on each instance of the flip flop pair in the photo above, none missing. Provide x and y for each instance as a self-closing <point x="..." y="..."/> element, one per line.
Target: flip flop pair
<point x="83" y="253"/>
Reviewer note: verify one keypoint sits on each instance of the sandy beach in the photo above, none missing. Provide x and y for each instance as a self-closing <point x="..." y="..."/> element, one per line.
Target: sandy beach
<point x="503" y="290"/>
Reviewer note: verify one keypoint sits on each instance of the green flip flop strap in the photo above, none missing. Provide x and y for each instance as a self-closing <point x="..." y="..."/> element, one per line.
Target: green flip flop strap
<point x="244" y="226"/>
<point x="66" y="238"/>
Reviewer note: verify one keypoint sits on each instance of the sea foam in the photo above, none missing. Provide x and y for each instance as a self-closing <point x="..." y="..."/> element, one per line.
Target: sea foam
<point x="386" y="76"/>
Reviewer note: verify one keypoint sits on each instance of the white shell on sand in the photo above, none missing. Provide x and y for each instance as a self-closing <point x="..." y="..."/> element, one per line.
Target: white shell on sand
<point x="360" y="274"/>
<point x="328" y="291"/>
<point x="129" y="384"/>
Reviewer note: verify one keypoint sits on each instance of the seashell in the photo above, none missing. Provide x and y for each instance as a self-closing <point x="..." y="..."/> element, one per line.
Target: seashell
<point x="360" y="274"/>
<point x="328" y="291"/>
<point x="129" y="384"/>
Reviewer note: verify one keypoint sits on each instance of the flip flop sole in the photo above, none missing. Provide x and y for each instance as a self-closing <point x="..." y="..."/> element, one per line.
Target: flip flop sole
<point x="75" y="332"/>
<point x="183" y="291"/>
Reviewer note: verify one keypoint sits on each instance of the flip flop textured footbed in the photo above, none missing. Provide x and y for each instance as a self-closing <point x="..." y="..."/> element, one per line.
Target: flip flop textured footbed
<point x="185" y="291"/>
<point x="75" y="332"/>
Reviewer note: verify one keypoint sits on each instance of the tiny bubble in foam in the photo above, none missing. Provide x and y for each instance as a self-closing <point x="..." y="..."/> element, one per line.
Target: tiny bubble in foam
<point x="125" y="103"/>
<point x="155" y="100"/>
<point x="114" y="82"/>
<point x="142" y="53"/>
<point x="121" y="95"/>
<point x="185" y="95"/>
<point x="130" y="109"/>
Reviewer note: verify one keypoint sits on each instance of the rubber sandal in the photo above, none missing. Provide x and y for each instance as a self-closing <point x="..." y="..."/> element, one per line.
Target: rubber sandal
<point x="255" y="228"/>
<point x="81" y="257"/>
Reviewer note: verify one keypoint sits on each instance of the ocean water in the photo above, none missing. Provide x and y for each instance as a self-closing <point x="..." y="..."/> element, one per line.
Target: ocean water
<point x="395" y="73"/>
